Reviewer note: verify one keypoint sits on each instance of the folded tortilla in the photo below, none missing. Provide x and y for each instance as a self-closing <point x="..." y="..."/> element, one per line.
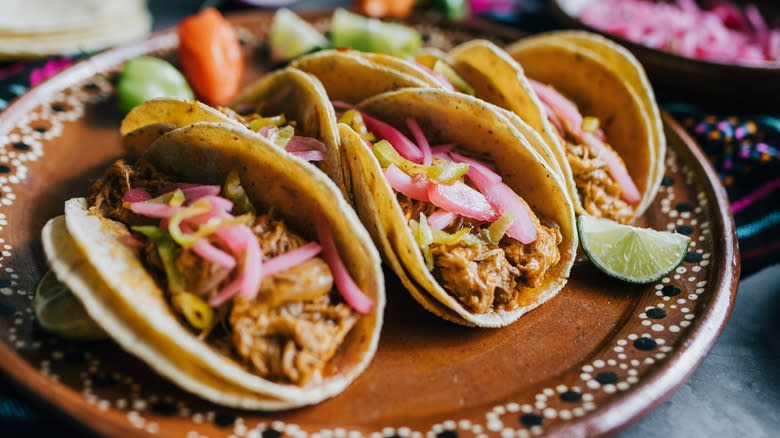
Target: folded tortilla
<point x="479" y="130"/>
<point x="611" y="93"/>
<point x="120" y="292"/>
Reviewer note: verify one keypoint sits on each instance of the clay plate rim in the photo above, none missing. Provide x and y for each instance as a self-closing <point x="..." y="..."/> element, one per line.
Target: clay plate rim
<point x="611" y="417"/>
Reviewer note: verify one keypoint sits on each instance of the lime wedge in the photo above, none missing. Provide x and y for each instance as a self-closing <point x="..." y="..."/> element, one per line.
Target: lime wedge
<point x="59" y="312"/>
<point x="291" y="36"/>
<point x="371" y="35"/>
<point x="636" y="255"/>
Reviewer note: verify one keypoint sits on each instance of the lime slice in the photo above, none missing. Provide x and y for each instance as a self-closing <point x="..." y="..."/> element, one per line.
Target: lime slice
<point x="59" y="312"/>
<point x="371" y="35"/>
<point x="636" y="255"/>
<point x="291" y="36"/>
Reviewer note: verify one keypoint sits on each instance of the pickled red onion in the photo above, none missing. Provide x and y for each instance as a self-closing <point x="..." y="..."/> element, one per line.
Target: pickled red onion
<point x="197" y="192"/>
<point x="422" y="142"/>
<point x="400" y="142"/>
<point x="405" y="184"/>
<point x="344" y="282"/>
<point x="630" y="193"/>
<point x="461" y="200"/>
<point x="442" y="148"/>
<point x="218" y="202"/>
<point x="290" y="259"/>
<point x="212" y="254"/>
<point x="440" y="78"/>
<point x="205" y="217"/>
<point x="721" y="33"/>
<point x="562" y="107"/>
<point x="504" y="199"/>
<point x="304" y="144"/>
<point x="253" y="263"/>
<point x="232" y="236"/>
<point x="479" y="172"/>
<point x="136" y="195"/>
<point x="309" y="155"/>
<point x="153" y="210"/>
<point x="340" y="104"/>
<point x="441" y="219"/>
<point x="227" y="292"/>
<point x="130" y="241"/>
<point x="242" y="241"/>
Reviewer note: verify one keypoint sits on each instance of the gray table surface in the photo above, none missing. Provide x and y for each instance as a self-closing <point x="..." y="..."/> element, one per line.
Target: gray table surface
<point x="735" y="392"/>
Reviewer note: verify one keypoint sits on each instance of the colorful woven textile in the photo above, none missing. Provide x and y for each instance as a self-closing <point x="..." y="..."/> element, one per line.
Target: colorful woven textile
<point x="744" y="151"/>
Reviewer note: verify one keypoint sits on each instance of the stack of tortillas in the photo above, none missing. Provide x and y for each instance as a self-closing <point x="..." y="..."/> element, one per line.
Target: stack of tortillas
<point x="34" y="28"/>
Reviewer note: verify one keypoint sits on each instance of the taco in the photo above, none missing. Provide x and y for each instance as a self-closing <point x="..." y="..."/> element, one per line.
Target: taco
<point x="351" y="76"/>
<point x="632" y="73"/>
<point x="475" y="223"/>
<point x="287" y="107"/>
<point x="291" y="107"/>
<point x="234" y="269"/>
<point x="612" y="145"/>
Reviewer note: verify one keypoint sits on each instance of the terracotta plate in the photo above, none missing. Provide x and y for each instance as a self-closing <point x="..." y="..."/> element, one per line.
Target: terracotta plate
<point x="588" y="362"/>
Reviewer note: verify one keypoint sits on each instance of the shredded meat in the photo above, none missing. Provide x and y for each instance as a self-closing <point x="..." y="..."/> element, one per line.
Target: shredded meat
<point x="293" y="342"/>
<point x="274" y="236"/>
<point x="484" y="276"/>
<point x="294" y="327"/>
<point x="305" y="282"/>
<point x="473" y="273"/>
<point x="199" y="276"/>
<point x="599" y="192"/>
<point x="105" y="194"/>
<point x="289" y="332"/>
<point x="412" y="207"/>
<point x="532" y="261"/>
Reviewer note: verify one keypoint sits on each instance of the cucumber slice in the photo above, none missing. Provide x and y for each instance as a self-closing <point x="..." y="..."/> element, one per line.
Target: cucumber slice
<point x="371" y="35"/>
<point x="292" y="36"/>
<point x="636" y="255"/>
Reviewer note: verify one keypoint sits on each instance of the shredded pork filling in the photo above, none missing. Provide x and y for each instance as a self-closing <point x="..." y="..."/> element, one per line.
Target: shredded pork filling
<point x="485" y="276"/>
<point x="598" y="191"/>
<point x="294" y="326"/>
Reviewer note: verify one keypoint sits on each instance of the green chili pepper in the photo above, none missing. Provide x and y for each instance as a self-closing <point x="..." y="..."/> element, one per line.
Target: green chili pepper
<point x="441" y="172"/>
<point x="496" y="231"/>
<point x="281" y="136"/>
<point x="273" y="121"/>
<point x="235" y="192"/>
<point x="447" y="172"/>
<point x="355" y="121"/>
<point x="145" y="78"/>
<point x="166" y="248"/>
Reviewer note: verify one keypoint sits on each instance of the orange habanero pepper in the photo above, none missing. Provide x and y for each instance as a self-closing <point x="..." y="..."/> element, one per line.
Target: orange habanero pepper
<point x="210" y="56"/>
<point x="386" y="8"/>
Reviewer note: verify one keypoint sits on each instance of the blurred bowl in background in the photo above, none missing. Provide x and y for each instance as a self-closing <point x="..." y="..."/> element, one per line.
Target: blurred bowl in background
<point x="753" y="85"/>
